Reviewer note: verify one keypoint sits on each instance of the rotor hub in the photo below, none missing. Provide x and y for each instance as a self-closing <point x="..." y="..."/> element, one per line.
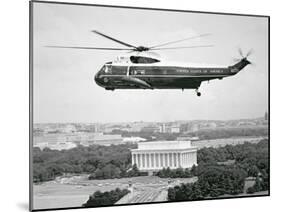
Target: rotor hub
<point x="142" y="48"/>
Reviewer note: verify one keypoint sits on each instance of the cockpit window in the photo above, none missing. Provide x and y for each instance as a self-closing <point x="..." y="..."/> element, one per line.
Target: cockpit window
<point x="102" y="69"/>
<point x="139" y="59"/>
<point x="106" y="69"/>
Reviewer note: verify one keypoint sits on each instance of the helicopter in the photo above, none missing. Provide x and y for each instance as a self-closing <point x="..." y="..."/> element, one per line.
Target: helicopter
<point x="142" y="68"/>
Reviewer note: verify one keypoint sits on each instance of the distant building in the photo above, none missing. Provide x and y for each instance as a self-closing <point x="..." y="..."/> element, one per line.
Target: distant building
<point x="162" y="128"/>
<point x="83" y="138"/>
<point x="194" y="127"/>
<point x="136" y="126"/>
<point x="51" y="138"/>
<point x="175" y="129"/>
<point x="154" y="156"/>
<point x="105" y="140"/>
<point x="184" y="127"/>
<point x="56" y="146"/>
<point x="69" y="128"/>
<point x="133" y="139"/>
<point x="150" y="129"/>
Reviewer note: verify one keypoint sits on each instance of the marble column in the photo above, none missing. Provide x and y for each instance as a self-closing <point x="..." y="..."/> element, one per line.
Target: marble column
<point x="147" y="160"/>
<point x="169" y="159"/>
<point x="154" y="160"/>
<point x="144" y="161"/>
<point x="150" y="161"/>
<point x="172" y="159"/>
<point x="133" y="159"/>
<point x="141" y="160"/>
<point x="182" y="159"/>
<point x="138" y="160"/>
<point x="157" y="159"/>
<point x="175" y="160"/>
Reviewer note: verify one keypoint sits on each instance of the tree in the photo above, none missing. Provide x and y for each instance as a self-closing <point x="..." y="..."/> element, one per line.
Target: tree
<point x="82" y="159"/>
<point x="98" y="174"/>
<point x="196" y="192"/>
<point x="134" y="172"/>
<point x="105" y="198"/>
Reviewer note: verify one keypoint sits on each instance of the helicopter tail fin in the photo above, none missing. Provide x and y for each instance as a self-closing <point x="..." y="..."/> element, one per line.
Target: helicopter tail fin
<point x="239" y="65"/>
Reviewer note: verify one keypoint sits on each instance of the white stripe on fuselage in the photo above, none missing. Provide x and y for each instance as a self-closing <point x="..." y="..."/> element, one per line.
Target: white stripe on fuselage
<point x="159" y="76"/>
<point x="170" y="64"/>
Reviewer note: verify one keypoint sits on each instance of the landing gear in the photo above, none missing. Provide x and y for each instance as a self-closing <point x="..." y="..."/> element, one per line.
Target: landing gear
<point x="197" y="92"/>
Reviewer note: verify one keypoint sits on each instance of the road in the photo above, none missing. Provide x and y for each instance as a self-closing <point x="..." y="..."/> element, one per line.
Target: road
<point x="152" y="192"/>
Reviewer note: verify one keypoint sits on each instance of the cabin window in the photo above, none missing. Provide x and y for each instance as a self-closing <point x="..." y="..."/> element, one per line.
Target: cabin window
<point x="139" y="59"/>
<point x="119" y="70"/>
<point x="139" y="72"/>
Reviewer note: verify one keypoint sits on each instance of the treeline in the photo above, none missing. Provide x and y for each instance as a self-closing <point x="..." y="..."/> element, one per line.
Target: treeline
<point x="105" y="198"/>
<point x="203" y="134"/>
<point x="110" y="172"/>
<point x="251" y="160"/>
<point x="176" y="173"/>
<point x="230" y="132"/>
<point x="105" y="161"/>
<point x="214" y="181"/>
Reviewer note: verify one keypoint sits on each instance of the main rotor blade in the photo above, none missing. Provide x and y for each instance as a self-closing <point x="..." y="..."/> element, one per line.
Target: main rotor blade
<point x="113" y="39"/>
<point x="183" y="47"/>
<point x="250" y="52"/>
<point x="177" y="41"/>
<point x="240" y="52"/>
<point x="93" y="48"/>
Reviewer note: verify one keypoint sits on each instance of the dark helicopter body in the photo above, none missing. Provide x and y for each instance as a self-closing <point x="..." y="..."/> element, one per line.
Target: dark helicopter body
<point x="160" y="76"/>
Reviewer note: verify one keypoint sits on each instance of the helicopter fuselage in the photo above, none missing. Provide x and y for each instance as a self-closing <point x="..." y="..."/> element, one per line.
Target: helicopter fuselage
<point x="160" y="76"/>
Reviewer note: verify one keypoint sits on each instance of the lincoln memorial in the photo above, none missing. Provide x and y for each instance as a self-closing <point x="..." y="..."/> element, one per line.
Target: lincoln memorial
<point x="153" y="156"/>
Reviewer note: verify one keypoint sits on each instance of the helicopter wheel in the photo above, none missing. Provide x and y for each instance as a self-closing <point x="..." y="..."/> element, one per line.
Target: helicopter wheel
<point x="198" y="93"/>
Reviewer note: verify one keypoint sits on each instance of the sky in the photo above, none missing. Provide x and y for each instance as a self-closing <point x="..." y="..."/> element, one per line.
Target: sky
<point x="64" y="87"/>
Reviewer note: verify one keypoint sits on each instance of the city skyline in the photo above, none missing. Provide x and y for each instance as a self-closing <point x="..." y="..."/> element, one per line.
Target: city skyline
<point x="64" y="87"/>
<point x="155" y="121"/>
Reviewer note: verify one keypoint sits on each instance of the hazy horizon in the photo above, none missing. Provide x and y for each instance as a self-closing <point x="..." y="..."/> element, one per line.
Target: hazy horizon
<point x="64" y="87"/>
<point x="184" y="120"/>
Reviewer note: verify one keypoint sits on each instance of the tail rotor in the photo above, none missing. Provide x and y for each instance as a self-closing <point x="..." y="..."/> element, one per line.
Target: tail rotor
<point x="243" y="56"/>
